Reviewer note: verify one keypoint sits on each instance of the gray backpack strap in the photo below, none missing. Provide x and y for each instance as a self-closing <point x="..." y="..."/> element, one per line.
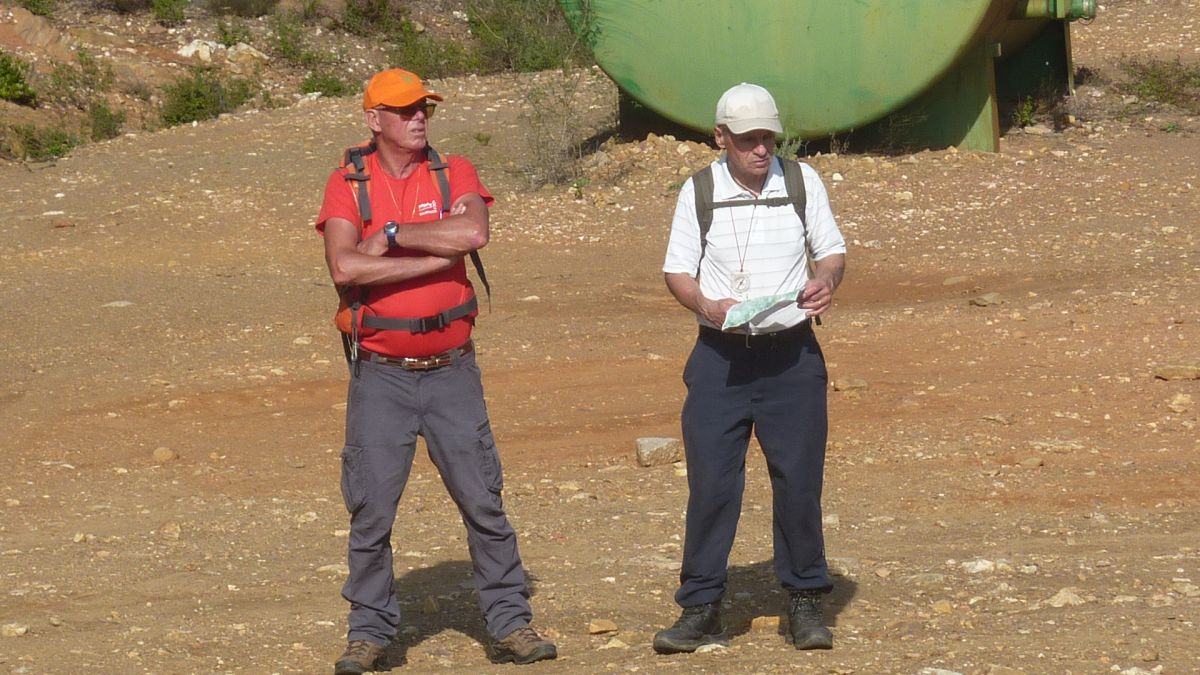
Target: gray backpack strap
<point x="793" y="181"/>
<point x="423" y="324"/>
<point x="702" y="182"/>
<point x="360" y="179"/>
<point x="439" y="169"/>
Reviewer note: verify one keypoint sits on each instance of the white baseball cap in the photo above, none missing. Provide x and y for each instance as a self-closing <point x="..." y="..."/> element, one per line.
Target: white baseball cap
<point x="746" y="107"/>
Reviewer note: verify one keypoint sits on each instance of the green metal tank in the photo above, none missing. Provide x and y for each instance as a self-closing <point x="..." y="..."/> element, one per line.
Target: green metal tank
<point x="925" y="69"/>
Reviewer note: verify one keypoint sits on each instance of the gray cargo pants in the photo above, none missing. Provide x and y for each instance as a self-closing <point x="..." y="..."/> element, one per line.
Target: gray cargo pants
<point x="387" y="408"/>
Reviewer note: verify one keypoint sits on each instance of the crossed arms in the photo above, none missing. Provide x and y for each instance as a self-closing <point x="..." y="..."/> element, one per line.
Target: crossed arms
<point x="444" y="242"/>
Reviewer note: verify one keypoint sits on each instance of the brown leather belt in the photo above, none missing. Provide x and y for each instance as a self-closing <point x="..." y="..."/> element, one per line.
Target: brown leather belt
<point x="419" y="363"/>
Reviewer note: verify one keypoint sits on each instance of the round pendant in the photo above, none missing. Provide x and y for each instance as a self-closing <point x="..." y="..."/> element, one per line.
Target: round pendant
<point x="741" y="283"/>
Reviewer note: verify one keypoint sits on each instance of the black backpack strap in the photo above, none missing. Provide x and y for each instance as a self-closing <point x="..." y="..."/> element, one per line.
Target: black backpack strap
<point x="440" y="169"/>
<point x="702" y="183"/>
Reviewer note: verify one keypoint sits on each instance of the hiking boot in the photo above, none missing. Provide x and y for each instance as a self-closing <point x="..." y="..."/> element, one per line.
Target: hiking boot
<point x="361" y="656"/>
<point x="522" y="646"/>
<point x="806" y="624"/>
<point x="697" y="626"/>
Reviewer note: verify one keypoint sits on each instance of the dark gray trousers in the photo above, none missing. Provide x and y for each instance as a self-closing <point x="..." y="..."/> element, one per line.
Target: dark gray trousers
<point x="774" y="386"/>
<point x="387" y="408"/>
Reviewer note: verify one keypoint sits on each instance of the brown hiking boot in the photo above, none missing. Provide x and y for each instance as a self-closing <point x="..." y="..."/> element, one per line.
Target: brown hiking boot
<point x="521" y="646"/>
<point x="361" y="656"/>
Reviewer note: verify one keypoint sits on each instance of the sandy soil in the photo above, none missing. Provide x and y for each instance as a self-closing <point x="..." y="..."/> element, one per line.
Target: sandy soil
<point x="1010" y="488"/>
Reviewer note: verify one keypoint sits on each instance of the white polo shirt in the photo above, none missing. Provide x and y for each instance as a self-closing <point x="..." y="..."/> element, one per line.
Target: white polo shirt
<point x="766" y="242"/>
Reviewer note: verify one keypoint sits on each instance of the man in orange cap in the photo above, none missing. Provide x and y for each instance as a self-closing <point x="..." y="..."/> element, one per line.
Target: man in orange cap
<point x="397" y="226"/>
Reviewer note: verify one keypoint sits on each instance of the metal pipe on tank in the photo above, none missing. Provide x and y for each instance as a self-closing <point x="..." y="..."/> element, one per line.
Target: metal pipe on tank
<point x="1070" y="10"/>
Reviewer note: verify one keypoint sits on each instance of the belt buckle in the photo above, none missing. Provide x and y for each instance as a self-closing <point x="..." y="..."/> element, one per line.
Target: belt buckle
<point x="427" y="363"/>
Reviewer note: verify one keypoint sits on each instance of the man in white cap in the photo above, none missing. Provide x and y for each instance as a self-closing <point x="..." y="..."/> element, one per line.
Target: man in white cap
<point x="745" y="230"/>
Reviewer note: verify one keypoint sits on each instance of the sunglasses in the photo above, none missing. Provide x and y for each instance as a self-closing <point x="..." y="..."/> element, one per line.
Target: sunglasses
<point x="410" y="111"/>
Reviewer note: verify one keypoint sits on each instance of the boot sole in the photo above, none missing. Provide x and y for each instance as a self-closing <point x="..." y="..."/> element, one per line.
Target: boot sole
<point x="814" y="639"/>
<point x="665" y="645"/>
<point x="352" y="668"/>
<point x="540" y="654"/>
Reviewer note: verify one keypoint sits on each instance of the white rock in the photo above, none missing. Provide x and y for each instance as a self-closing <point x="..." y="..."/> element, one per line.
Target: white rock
<point x="13" y="629"/>
<point x="614" y="643"/>
<point x="117" y="303"/>
<point x="657" y="451"/>
<point x="244" y="54"/>
<point x="336" y="569"/>
<point x="200" y="49"/>
<point x="713" y="647"/>
<point x="978" y="566"/>
<point x="1066" y="596"/>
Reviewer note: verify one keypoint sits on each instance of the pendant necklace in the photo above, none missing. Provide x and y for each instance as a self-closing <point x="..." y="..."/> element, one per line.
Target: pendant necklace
<point x="740" y="280"/>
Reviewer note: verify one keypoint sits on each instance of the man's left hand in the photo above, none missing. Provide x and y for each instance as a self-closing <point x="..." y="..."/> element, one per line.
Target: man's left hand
<point x="816" y="296"/>
<point x="377" y="243"/>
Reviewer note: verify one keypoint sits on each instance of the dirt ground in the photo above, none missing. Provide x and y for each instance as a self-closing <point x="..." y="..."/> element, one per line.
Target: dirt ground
<point x="1011" y="484"/>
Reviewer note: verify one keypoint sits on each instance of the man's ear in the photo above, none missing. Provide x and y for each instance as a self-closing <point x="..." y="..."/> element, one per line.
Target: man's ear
<point x="719" y="137"/>
<point x="371" y="117"/>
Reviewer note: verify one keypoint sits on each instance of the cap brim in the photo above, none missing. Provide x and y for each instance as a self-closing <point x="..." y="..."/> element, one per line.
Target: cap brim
<point x="742" y="126"/>
<point x="401" y="101"/>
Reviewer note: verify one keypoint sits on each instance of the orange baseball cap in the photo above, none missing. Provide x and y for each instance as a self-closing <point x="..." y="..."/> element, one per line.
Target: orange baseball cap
<point x="395" y="87"/>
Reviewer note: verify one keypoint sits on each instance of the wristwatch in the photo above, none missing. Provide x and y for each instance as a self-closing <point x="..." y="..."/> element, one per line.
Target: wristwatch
<point x="389" y="229"/>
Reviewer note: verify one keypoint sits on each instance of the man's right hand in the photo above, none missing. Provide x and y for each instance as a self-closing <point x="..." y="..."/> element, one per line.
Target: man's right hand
<point x="375" y="244"/>
<point x="714" y="311"/>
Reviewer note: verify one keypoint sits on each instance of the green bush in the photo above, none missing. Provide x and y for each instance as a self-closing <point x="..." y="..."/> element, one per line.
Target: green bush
<point x="290" y="42"/>
<point x="553" y="131"/>
<point x="139" y="90"/>
<point x="38" y="143"/>
<point x="168" y="13"/>
<point x="13" y="86"/>
<point x="524" y="35"/>
<point x="1025" y="113"/>
<point x="310" y="10"/>
<point x="327" y="84"/>
<point x="369" y="17"/>
<point x="201" y="96"/>
<point x="1170" y="82"/>
<point x="249" y="9"/>
<point x="39" y="7"/>
<point x="129" y="6"/>
<point x="428" y="56"/>
<point x="76" y="83"/>
<point x="229" y="34"/>
<point x="104" y="122"/>
<point x="95" y="76"/>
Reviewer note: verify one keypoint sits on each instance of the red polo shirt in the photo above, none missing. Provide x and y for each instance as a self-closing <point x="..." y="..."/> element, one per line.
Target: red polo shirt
<point x="410" y="202"/>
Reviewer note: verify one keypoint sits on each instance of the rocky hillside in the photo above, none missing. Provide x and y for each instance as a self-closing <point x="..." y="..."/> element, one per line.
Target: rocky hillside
<point x="89" y="72"/>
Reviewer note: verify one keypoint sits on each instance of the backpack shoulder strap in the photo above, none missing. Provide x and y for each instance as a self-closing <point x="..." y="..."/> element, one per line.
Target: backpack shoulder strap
<point x="441" y="170"/>
<point x="360" y="180"/>
<point x="702" y="183"/>
<point x="793" y="183"/>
